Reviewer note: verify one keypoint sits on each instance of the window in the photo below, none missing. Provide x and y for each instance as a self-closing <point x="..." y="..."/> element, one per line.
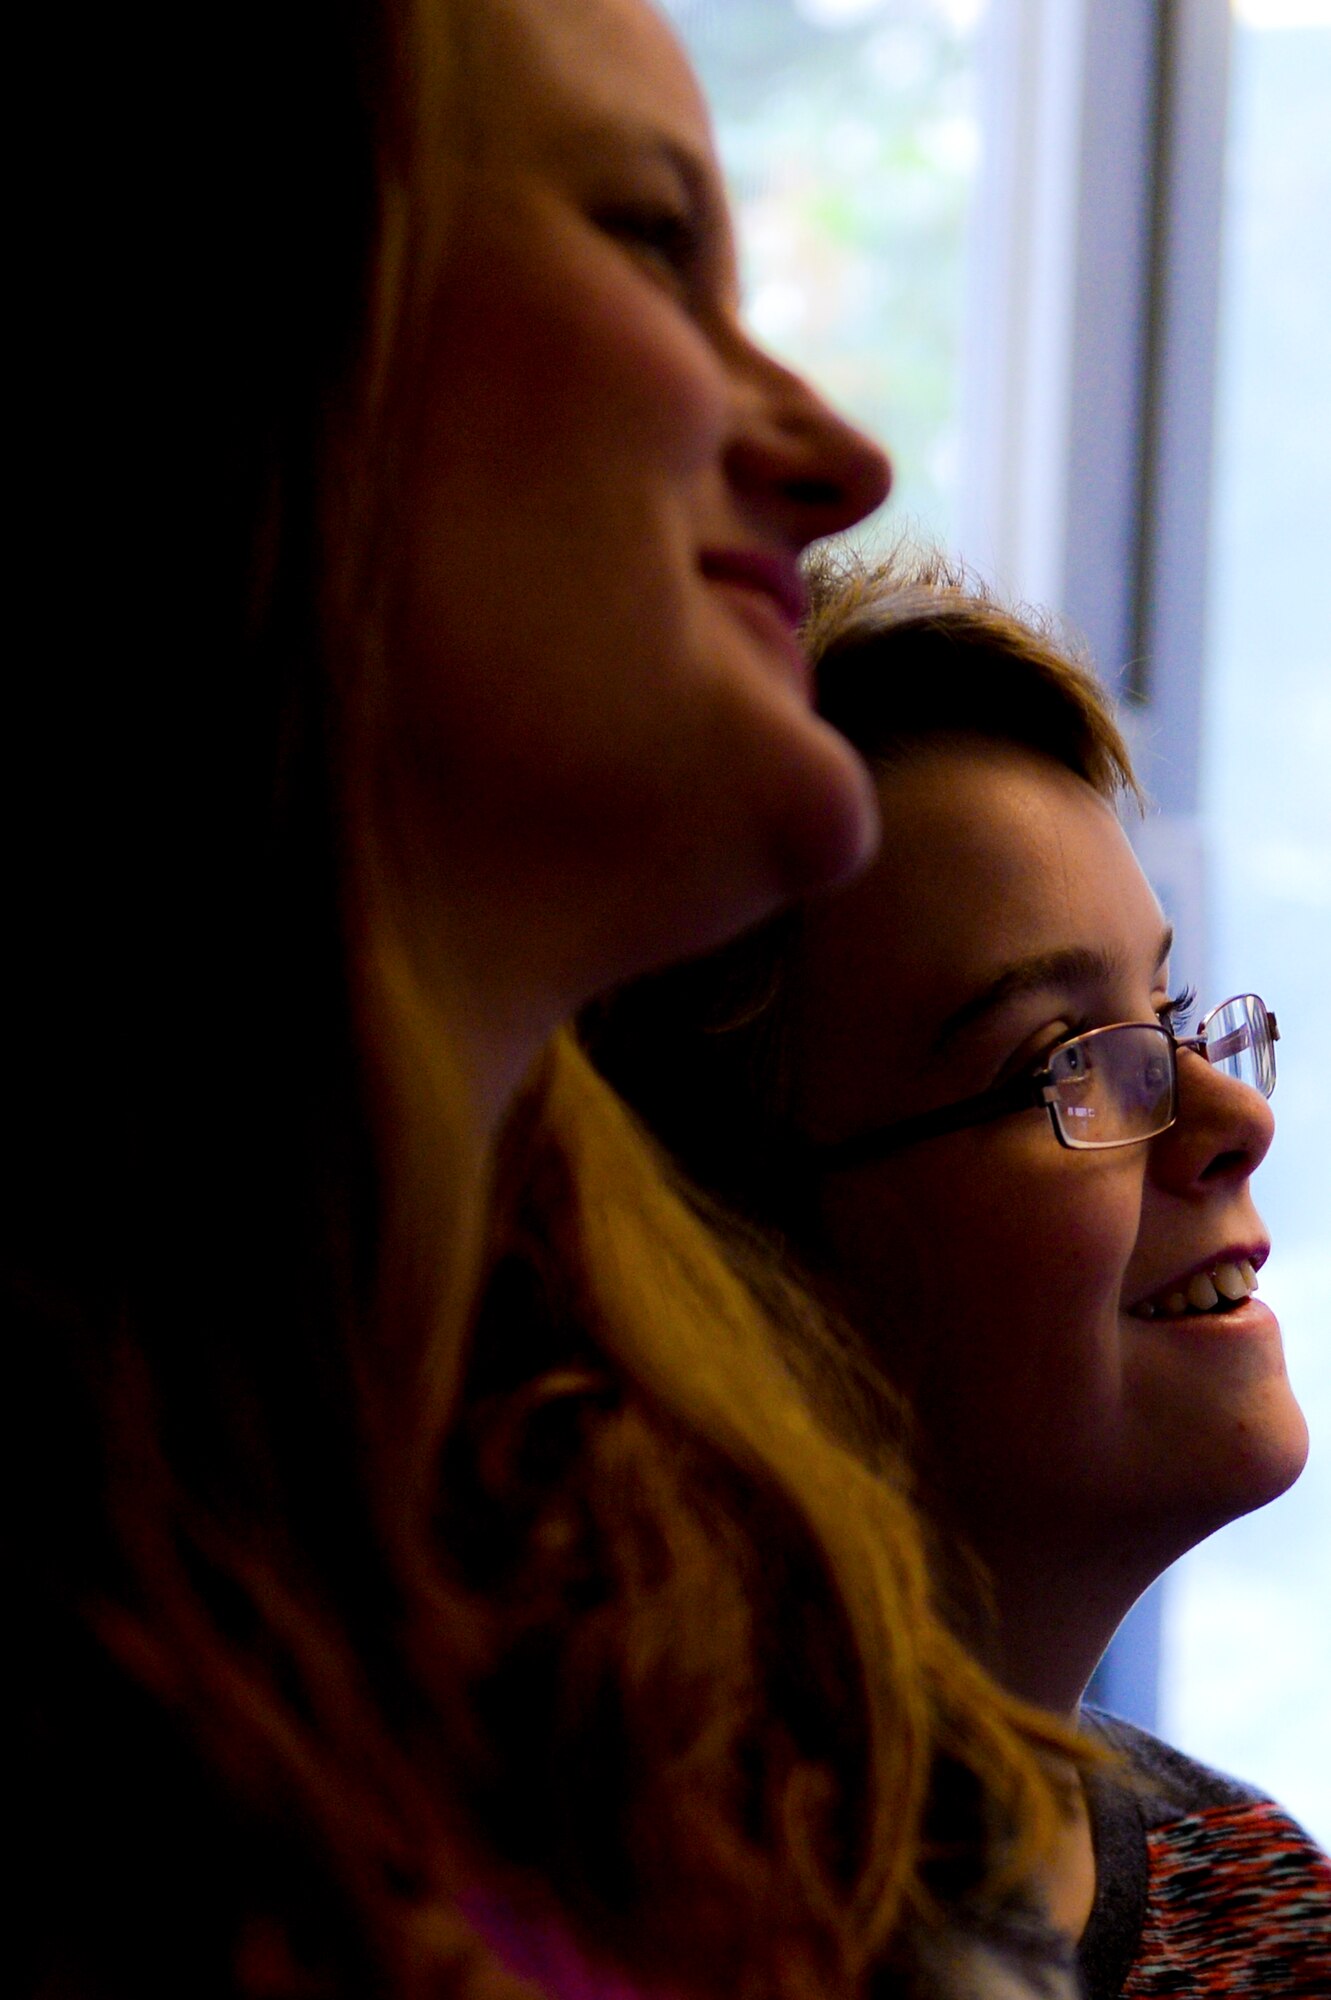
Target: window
<point x="849" y="130"/>
<point x="1247" y="1623"/>
<point x="993" y="229"/>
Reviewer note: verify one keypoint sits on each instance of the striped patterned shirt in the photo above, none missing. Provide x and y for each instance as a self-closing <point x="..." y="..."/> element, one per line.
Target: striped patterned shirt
<point x="1205" y="1890"/>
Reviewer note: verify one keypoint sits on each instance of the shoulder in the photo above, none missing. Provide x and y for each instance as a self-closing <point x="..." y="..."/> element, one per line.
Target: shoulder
<point x="1239" y="1903"/>
<point x="1206" y="1885"/>
<point x="1163" y="1781"/>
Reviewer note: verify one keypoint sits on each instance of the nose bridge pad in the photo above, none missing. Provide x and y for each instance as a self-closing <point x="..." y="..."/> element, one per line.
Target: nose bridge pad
<point x="1225" y="1124"/>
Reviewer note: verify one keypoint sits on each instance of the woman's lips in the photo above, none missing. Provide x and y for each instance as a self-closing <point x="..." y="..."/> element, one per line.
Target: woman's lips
<point x="1249" y="1321"/>
<point x="771" y="596"/>
<point x="776" y="575"/>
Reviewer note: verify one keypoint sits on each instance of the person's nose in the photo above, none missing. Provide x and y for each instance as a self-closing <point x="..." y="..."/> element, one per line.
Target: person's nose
<point x="795" y="462"/>
<point x="1222" y="1133"/>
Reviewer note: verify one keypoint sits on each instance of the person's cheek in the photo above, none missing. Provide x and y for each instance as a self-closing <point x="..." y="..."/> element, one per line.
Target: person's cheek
<point x="1032" y="1275"/>
<point x="1102" y="1230"/>
<point x="878" y="1261"/>
<point x="653" y="383"/>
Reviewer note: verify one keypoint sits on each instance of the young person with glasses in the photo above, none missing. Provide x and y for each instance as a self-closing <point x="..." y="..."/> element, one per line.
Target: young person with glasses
<point x="961" y="1094"/>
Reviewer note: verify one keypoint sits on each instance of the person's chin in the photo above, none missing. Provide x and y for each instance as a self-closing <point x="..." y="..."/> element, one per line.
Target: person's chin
<point x="1286" y="1448"/>
<point x="1265" y="1451"/>
<point x="1220" y="1384"/>
<point x="810" y="823"/>
<point x="828" y="827"/>
<point x="770" y="803"/>
<point x="816" y="798"/>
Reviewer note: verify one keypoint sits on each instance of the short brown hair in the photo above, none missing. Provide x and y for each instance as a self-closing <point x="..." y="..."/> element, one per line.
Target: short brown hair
<point x="915" y="647"/>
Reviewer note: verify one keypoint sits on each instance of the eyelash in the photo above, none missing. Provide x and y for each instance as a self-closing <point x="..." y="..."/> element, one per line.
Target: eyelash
<point x="672" y="235"/>
<point x="1174" y="1013"/>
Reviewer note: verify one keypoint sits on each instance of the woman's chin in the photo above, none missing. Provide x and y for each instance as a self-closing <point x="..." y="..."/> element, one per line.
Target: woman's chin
<point x="1287" y="1454"/>
<point x="1263" y="1462"/>
<point x="827" y="825"/>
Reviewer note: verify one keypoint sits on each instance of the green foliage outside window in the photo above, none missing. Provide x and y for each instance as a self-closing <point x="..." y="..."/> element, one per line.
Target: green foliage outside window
<point x="850" y="138"/>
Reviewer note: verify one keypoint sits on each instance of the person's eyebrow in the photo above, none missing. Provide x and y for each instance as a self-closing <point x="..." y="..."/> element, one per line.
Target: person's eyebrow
<point x="1071" y="966"/>
<point x="610" y="141"/>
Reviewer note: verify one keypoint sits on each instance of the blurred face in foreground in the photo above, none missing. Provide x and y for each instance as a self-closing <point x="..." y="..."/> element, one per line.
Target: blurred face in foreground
<point x="604" y="728"/>
<point x="1091" y="1405"/>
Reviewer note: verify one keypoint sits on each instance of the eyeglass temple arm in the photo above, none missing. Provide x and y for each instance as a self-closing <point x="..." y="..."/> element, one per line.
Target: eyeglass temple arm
<point x="882" y="1140"/>
<point x="1216" y="1048"/>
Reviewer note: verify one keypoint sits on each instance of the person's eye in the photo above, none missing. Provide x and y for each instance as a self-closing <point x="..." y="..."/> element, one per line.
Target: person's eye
<point x="666" y="235"/>
<point x="1173" y="1014"/>
<point x="1061" y="1040"/>
<point x="1036" y="1049"/>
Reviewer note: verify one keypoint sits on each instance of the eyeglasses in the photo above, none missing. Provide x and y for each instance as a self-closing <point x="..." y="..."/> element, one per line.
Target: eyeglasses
<point x="1109" y="1087"/>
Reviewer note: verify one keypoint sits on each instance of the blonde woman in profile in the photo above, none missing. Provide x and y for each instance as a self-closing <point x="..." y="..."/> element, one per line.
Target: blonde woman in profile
<point x="427" y="1574"/>
<point x="965" y="1095"/>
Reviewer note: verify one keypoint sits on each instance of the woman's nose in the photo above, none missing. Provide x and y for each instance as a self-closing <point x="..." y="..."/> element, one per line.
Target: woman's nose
<point x="795" y="461"/>
<point x="1223" y="1130"/>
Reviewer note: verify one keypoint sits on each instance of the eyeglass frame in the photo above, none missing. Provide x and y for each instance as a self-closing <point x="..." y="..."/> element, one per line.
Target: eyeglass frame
<point x="1030" y="1091"/>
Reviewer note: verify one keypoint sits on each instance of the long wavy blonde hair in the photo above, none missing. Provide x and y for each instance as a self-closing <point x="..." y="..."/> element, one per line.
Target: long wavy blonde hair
<point x="403" y="1564"/>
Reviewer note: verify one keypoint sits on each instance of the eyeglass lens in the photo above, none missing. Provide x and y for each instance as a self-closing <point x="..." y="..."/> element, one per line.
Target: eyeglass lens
<point x="1114" y="1085"/>
<point x="1239" y="1042"/>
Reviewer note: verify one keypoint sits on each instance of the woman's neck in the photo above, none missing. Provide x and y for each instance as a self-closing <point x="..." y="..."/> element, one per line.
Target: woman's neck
<point x="1055" y="1609"/>
<point x="1053" y="1624"/>
<point x="1050" y="1641"/>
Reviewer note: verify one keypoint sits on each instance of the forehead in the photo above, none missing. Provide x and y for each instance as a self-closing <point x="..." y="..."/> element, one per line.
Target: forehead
<point x="990" y="854"/>
<point x="552" y="73"/>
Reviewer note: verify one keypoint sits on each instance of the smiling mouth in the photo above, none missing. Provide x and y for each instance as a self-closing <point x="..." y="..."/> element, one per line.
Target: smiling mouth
<point x="776" y="578"/>
<point x="1217" y="1288"/>
<point x="768" y="595"/>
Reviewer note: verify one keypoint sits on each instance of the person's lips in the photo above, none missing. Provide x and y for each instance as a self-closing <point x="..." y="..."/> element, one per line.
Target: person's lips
<point x="777" y="576"/>
<point x="770" y="594"/>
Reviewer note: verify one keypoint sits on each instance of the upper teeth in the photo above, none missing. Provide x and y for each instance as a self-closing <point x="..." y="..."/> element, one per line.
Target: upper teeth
<point x="1203" y="1292"/>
